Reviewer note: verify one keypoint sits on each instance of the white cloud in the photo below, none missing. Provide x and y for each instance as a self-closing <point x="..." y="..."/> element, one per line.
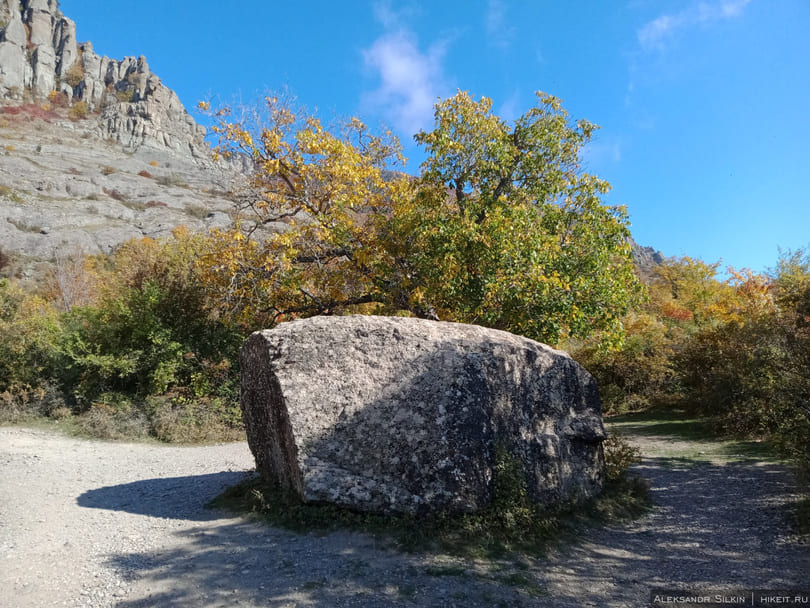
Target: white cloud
<point x="411" y="81"/>
<point x="499" y="32"/>
<point x="657" y="33"/>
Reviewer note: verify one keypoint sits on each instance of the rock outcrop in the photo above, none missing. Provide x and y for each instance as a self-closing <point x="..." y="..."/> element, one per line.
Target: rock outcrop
<point x="405" y="415"/>
<point x="95" y="151"/>
<point x="65" y="191"/>
<point x="40" y="57"/>
<point x="646" y="259"/>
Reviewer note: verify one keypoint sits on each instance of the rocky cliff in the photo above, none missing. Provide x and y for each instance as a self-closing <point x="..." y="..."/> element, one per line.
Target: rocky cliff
<point x="93" y="151"/>
<point x="40" y="59"/>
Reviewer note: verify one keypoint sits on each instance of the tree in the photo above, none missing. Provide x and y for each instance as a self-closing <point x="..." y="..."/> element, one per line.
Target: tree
<point x="509" y="232"/>
<point x="502" y="228"/>
<point x="307" y="239"/>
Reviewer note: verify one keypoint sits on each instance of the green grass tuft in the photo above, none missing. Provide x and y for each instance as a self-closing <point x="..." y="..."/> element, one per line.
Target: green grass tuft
<point x="496" y="532"/>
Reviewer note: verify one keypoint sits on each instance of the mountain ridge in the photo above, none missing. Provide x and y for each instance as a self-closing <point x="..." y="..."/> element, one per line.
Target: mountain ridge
<point x="93" y="151"/>
<point x="41" y="59"/>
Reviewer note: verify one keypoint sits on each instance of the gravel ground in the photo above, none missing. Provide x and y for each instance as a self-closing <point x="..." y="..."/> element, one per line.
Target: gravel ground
<point x="87" y="523"/>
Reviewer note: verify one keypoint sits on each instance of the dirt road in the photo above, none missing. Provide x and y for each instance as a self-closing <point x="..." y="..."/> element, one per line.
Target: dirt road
<point x="88" y="523"/>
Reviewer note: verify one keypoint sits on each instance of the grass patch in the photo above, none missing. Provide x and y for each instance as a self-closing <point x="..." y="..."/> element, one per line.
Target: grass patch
<point x="171" y="180"/>
<point x="158" y="419"/>
<point x="11" y="194"/>
<point x="199" y="212"/>
<point x="671" y="423"/>
<point x="686" y="439"/>
<point x="496" y="532"/>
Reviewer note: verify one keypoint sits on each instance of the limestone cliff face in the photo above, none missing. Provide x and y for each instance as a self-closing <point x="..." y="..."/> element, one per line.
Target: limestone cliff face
<point x="39" y="54"/>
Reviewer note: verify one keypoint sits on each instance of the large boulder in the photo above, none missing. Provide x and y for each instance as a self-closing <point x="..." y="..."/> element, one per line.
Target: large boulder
<point x="387" y="414"/>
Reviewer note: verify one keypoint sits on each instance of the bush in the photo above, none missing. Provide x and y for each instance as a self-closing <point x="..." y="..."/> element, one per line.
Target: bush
<point x="119" y="420"/>
<point x="638" y="374"/>
<point x="751" y="374"/>
<point x="75" y="74"/>
<point x="25" y="403"/>
<point x="58" y="99"/>
<point x="79" y="110"/>
<point x="171" y="180"/>
<point x="125" y="95"/>
<point x="177" y="420"/>
<point x="30" y="328"/>
<point x="142" y="356"/>
<point x="115" y="194"/>
<point x="150" y="331"/>
<point x="619" y="457"/>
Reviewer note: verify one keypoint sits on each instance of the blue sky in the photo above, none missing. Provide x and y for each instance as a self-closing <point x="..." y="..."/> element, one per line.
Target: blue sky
<point x="704" y="105"/>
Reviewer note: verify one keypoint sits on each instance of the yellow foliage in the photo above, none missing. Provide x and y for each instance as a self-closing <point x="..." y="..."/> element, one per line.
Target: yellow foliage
<point x="479" y="237"/>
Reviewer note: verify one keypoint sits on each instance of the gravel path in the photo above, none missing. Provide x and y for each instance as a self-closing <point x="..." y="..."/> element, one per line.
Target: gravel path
<point x="85" y="523"/>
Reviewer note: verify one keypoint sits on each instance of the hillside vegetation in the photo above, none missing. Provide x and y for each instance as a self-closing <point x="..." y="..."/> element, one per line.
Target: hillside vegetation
<point x="734" y="350"/>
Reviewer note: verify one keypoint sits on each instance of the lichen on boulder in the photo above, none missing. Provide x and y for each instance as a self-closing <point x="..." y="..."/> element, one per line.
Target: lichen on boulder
<point x="402" y="415"/>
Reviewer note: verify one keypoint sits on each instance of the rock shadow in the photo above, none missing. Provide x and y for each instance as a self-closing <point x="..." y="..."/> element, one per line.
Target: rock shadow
<point x="168" y="498"/>
<point x="713" y="526"/>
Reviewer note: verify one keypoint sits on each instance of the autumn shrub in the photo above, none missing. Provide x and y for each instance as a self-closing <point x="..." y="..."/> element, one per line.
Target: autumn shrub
<point x="620" y="455"/>
<point x="177" y="420"/>
<point x="30" y="328"/>
<point x="79" y="110"/>
<point x="29" y="331"/>
<point x="150" y="332"/>
<point x="115" y="194"/>
<point x="138" y="354"/>
<point x="58" y="99"/>
<point x="753" y="380"/>
<point x="145" y="173"/>
<point x="750" y="373"/>
<point x="117" y="420"/>
<point x="24" y="403"/>
<point x="125" y="95"/>
<point x="639" y="373"/>
<point x="75" y="75"/>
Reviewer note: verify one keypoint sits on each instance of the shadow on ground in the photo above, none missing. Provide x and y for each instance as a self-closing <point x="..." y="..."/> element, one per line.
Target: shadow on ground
<point x="713" y="526"/>
<point x="169" y="498"/>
